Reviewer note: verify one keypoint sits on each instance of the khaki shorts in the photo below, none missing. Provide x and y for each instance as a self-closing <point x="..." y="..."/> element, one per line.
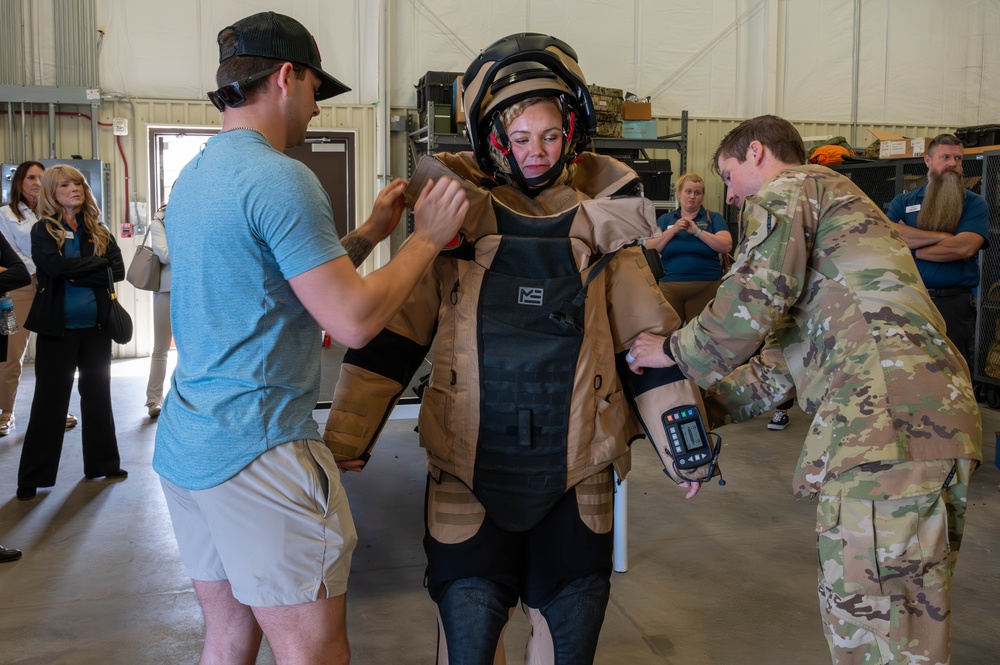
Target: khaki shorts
<point x="279" y="531"/>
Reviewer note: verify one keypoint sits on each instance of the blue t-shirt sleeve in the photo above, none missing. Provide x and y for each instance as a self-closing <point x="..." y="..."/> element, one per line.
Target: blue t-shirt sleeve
<point x="718" y="222"/>
<point x="975" y="218"/>
<point x="897" y="209"/>
<point x="295" y="221"/>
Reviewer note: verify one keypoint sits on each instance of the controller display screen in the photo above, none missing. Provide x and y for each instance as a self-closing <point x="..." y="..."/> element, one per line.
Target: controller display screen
<point x="691" y="435"/>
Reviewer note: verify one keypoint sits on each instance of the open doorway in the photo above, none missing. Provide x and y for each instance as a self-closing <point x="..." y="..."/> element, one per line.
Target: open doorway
<point x="170" y="149"/>
<point x="330" y="154"/>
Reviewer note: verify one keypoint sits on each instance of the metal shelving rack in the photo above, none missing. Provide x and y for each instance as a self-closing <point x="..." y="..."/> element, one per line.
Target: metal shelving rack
<point x="987" y="297"/>
<point x="425" y="141"/>
<point x="883" y="180"/>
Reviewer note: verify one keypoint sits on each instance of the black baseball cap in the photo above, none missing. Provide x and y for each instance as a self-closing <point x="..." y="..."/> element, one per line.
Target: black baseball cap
<point x="280" y="37"/>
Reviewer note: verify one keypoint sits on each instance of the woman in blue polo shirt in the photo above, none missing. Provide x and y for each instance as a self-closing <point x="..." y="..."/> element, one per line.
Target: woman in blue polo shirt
<point x="690" y="246"/>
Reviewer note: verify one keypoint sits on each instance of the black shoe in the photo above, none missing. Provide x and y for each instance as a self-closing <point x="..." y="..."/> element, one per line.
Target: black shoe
<point x="779" y="421"/>
<point x="117" y="473"/>
<point x="25" y="493"/>
<point x="7" y="555"/>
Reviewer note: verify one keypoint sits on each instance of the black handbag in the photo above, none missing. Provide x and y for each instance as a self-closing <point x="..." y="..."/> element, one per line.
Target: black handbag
<point x="119" y="323"/>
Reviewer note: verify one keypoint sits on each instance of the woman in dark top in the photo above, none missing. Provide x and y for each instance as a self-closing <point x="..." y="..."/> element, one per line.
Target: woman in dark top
<point x="13" y="275"/>
<point x="691" y="248"/>
<point x="72" y="252"/>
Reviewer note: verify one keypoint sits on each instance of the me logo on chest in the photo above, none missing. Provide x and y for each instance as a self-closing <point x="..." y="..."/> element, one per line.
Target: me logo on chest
<point x="528" y="295"/>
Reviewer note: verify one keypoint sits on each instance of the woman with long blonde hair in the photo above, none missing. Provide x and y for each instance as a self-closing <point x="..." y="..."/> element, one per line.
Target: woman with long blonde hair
<point x="16" y="220"/>
<point x="73" y="253"/>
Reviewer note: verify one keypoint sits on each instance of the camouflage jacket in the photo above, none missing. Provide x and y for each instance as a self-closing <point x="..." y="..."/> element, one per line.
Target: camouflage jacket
<point x="826" y="283"/>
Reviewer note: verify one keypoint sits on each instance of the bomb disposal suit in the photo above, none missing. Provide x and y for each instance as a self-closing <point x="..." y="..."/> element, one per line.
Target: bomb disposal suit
<point x="530" y="404"/>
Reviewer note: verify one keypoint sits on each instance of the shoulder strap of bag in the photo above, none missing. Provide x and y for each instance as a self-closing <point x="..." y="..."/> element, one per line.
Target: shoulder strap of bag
<point x="149" y="229"/>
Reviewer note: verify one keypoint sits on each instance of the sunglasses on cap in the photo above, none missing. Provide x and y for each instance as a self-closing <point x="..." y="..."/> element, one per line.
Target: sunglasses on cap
<point x="232" y="94"/>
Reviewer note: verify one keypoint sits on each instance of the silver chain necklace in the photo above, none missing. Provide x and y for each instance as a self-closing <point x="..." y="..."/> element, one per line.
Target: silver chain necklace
<point x="249" y="129"/>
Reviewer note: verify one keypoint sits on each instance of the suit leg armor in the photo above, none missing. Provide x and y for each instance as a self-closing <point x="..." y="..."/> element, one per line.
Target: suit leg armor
<point x="561" y="570"/>
<point x="472" y="614"/>
<point x="564" y="630"/>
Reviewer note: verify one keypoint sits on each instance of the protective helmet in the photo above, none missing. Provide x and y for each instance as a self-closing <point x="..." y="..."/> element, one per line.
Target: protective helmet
<point x="515" y="68"/>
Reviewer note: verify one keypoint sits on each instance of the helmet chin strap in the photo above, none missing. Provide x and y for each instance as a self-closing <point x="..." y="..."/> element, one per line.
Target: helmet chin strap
<point x="531" y="186"/>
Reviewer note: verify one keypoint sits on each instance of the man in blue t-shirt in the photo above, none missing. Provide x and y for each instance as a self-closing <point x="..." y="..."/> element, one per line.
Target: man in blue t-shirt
<point x="261" y="520"/>
<point x="945" y="225"/>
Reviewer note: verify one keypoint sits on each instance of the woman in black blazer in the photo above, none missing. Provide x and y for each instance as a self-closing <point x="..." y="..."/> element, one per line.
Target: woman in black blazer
<point x="13" y="275"/>
<point x="72" y="252"/>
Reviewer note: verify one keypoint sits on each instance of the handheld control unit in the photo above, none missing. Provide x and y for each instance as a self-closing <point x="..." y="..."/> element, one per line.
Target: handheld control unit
<point x="687" y="438"/>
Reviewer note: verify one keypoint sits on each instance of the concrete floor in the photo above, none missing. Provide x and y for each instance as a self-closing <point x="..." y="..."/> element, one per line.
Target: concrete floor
<point x="728" y="577"/>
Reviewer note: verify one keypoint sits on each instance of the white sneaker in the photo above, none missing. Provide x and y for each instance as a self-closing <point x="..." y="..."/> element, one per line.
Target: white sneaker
<point x="70" y="421"/>
<point x="153" y="410"/>
<point x="779" y="421"/>
<point x="6" y="422"/>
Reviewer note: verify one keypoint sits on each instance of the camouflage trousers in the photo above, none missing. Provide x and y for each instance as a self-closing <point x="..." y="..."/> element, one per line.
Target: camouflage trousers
<point x="886" y="568"/>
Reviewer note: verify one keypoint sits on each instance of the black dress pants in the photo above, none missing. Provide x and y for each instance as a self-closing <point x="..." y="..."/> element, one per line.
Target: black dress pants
<point x="56" y="361"/>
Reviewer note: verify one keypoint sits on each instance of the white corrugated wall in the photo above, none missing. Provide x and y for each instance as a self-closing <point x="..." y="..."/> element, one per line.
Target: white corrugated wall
<point x="704" y="136"/>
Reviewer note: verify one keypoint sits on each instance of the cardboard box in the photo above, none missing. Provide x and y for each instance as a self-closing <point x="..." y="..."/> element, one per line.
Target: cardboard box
<point x="639" y="129"/>
<point x="896" y="146"/>
<point x="456" y="100"/>
<point x="978" y="150"/>
<point x="636" y="111"/>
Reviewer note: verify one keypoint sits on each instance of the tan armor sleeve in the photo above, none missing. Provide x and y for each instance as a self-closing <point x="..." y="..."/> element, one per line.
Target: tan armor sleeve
<point x="360" y="407"/>
<point x="372" y="378"/>
<point x="635" y="302"/>
<point x="652" y="405"/>
<point x="637" y="305"/>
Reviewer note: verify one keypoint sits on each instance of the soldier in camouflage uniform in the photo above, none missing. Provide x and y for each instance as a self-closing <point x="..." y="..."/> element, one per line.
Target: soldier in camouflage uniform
<point x="827" y="283"/>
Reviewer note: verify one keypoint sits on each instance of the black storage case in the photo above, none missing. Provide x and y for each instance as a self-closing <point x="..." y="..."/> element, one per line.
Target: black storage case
<point x="655" y="175"/>
<point x="978" y="135"/>
<point x="434" y="87"/>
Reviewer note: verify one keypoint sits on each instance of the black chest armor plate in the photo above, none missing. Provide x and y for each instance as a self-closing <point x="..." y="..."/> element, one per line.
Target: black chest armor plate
<point x="527" y="365"/>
